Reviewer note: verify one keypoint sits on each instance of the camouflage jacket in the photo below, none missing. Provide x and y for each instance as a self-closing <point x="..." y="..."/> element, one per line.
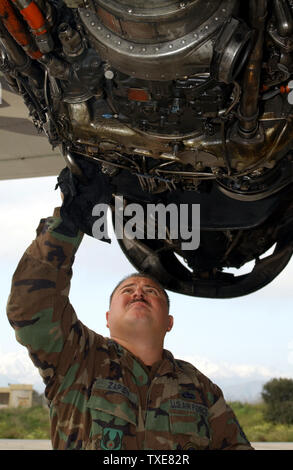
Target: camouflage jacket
<point x="100" y="395"/>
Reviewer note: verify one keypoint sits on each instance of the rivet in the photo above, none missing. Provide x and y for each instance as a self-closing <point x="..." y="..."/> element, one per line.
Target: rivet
<point x="131" y="48"/>
<point x="183" y="41"/>
<point x="170" y="46"/>
<point x="108" y="36"/>
<point x="93" y="23"/>
<point x="109" y="74"/>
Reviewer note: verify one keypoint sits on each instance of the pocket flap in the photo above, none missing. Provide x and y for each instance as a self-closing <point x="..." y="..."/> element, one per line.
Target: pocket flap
<point x="114" y="398"/>
<point x="189" y="418"/>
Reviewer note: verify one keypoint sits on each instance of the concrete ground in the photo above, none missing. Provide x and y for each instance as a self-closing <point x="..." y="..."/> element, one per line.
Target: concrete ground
<point x="25" y="444"/>
<point x="43" y="444"/>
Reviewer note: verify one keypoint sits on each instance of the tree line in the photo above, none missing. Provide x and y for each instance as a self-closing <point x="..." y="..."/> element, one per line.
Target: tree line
<point x="278" y="396"/>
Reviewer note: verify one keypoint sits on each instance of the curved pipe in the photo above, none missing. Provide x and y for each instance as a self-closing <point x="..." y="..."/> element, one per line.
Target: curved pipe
<point x="248" y="122"/>
<point x="284" y="18"/>
<point x="37" y="23"/>
<point x="19" y="58"/>
<point x="33" y="16"/>
<point x="17" y="29"/>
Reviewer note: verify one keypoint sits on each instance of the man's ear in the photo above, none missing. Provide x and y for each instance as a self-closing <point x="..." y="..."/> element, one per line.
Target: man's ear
<point x="170" y="322"/>
<point x="107" y="316"/>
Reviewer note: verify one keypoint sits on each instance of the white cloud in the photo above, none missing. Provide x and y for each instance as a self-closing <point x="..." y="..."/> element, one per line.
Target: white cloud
<point x="17" y="367"/>
<point x="29" y="201"/>
<point x="23" y="204"/>
<point x="229" y="370"/>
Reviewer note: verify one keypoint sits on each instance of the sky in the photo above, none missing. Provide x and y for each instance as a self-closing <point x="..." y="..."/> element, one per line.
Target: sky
<point x="244" y="339"/>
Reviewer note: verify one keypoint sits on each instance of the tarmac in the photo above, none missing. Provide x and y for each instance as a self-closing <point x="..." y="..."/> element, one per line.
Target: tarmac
<point x="44" y="444"/>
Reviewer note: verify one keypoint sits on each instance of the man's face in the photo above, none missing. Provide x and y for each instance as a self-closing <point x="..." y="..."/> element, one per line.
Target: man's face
<point x="139" y="303"/>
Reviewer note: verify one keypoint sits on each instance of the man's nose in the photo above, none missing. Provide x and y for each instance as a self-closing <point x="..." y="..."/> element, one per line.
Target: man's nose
<point x="138" y="293"/>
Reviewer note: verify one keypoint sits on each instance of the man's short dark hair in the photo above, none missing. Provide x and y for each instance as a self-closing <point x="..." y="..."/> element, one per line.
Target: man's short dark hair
<point x="147" y="276"/>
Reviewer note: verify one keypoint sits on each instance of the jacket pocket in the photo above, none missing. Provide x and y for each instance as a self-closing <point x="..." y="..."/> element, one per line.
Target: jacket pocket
<point x="113" y="410"/>
<point x="189" y="421"/>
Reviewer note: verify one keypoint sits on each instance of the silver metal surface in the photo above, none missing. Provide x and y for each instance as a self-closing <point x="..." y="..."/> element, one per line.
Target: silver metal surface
<point x="185" y="55"/>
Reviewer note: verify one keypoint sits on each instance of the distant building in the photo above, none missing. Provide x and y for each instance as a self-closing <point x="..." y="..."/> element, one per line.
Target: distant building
<point x="17" y="395"/>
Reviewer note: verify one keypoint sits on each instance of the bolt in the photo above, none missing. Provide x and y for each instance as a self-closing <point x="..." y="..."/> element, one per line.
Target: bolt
<point x="244" y="186"/>
<point x="240" y="166"/>
<point x="109" y="74"/>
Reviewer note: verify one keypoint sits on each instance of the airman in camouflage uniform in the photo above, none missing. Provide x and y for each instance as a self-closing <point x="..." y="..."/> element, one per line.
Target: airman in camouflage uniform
<point x="101" y="395"/>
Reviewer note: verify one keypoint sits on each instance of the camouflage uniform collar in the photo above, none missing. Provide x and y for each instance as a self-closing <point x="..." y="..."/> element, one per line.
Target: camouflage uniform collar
<point x="167" y="366"/>
<point x="118" y="348"/>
